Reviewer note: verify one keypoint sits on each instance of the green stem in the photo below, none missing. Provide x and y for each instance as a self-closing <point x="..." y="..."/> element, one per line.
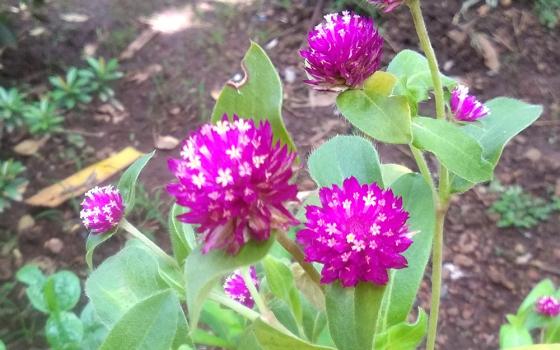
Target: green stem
<point x="246" y="274"/>
<point x="423" y="167"/>
<point x="234" y="305"/>
<point x="147" y="242"/>
<point x="298" y="255"/>
<point x="426" y="46"/>
<point x="437" y="260"/>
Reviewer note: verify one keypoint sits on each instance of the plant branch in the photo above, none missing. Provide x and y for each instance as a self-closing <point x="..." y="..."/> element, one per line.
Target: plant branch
<point x="147" y="242"/>
<point x="298" y="255"/>
<point x="245" y="273"/>
<point x="234" y="305"/>
<point x="424" y="169"/>
<point x="426" y="46"/>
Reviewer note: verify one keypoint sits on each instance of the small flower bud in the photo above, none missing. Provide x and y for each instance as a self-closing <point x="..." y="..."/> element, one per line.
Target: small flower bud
<point x="548" y="306"/>
<point x="465" y="107"/>
<point x="387" y="5"/>
<point x="102" y="209"/>
<point x="236" y="289"/>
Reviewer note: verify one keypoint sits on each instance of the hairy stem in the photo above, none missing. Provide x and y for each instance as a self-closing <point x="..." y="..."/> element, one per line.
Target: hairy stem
<point x="234" y="305"/>
<point x="147" y="242"/>
<point x="437" y="259"/>
<point x="246" y="274"/>
<point x="426" y="46"/>
<point x="423" y="168"/>
<point x="298" y="255"/>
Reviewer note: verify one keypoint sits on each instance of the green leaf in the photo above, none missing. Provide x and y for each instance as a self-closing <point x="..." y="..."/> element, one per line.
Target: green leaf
<point x="150" y="324"/>
<point x="342" y="157"/>
<point x="95" y="331"/>
<point x="64" y="330"/>
<point x="183" y="239"/>
<point x="513" y="336"/>
<point x="225" y="323"/>
<point x="62" y="291"/>
<point x="2" y="345"/>
<point x="203" y="271"/>
<point x="392" y="172"/>
<point x="281" y="283"/>
<point x="272" y="339"/>
<point x="121" y="281"/>
<point x="182" y="335"/>
<point x="204" y="338"/>
<point x="352" y="314"/>
<point x="404" y="284"/>
<point x="413" y="72"/>
<point x="127" y="182"/>
<point x="507" y="118"/>
<point x="7" y="37"/>
<point x="380" y="83"/>
<point x="95" y="240"/>
<point x="459" y="152"/>
<point x="31" y="275"/>
<point x="386" y="119"/>
<point x="539" y="347"/>
<point x="258" y="96"/>
<point x="404" y="336"/>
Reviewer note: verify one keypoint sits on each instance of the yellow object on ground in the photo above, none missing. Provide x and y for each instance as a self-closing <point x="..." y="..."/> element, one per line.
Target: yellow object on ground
<point x="83" y="180"/>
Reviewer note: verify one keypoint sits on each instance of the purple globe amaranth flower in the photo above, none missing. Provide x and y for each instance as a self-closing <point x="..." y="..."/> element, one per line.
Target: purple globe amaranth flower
<point x="235" y="181"/>
<point x="466" y="107"/>
<point x="344" y="50"/>
<point x="387" y="5"/>
<point x="548" y="306"/>
<point x="102" y="209"/>
<point x="358" y="233"/>
<point x="236" y="289"/>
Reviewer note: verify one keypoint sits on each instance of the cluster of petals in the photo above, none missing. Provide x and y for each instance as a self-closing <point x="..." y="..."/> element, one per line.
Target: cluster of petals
<point x="236" y="289"/>
<point x="359" y="232"/>
<point x="344" y="50"/>
<point x="102" y="209"/>
<point x="466" y="107"/>
<point x="387" y="5"/>
<point x="235" y="181"/>
<point x="548" y="306"/>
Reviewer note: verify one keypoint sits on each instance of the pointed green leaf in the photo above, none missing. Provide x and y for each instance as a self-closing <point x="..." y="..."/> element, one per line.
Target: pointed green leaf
<point x="272" y="339"/>
<point x="204" y="271"/>
<point x="150" y="324"/>
<point x="93" y="241"/>
<point x="405" y="283"/>
<point x="342" y="157"/>
<point x="183" y="239"/>
<point x="386" y="119"/>
<point x="258" y="96"/>
<point x="127" y="183"/>
<point x="404" y="336"/>
<point x="458" y="151"/>
<point x="514" y="336"/>
<point x="123" y="280"/>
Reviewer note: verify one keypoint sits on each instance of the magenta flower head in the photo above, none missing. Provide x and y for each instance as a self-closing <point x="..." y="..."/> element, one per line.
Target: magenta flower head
<point x="387" y="5"/>
<point x="358" y="233"/>
<point x="548" y="306"/>
<point x="236" y="289"/>
<point x="235" y="181"/>
<point x="466" y="107"/>
<point x="102" y="209"/>
<point x="343" y="51"/>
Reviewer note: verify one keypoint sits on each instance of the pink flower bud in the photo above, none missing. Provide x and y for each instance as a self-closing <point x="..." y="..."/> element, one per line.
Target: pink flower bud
<point x="102" y="209"/>
<point x="236" y="289"/>
<point x="466" y="107"/>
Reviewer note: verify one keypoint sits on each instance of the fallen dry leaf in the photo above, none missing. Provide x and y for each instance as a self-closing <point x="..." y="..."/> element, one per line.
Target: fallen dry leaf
<point x="114" y="112"/>
<point x="137" y="44"/>
<point x="321" y="98"/>
<point x="141" y="75"/>
<point x="54" y="245"/>
<point x="74" y="17"/>
<point x="80" y="182"/>
<point x="482" y="43"/>
<point x="25" y="223"/>
<point x="166" y="142"/>
<point x="30" y="147"/>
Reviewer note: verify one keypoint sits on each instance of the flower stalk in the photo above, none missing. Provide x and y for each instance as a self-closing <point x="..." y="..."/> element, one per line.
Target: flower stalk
<point x="128" y="227"/>
<point x="298" y="255"/>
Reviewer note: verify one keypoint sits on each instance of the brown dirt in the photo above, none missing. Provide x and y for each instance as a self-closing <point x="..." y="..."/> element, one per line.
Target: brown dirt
<point x="199" y="59"/>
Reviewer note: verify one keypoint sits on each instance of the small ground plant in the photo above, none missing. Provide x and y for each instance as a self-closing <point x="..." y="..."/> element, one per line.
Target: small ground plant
<point x="12" y="184"/>
<point x="56" y="296"/>
<point x="548" y="12"/>
<point x="12" y="106"/>
<point x="519" y="209"/>
<point x="537" y="317"/>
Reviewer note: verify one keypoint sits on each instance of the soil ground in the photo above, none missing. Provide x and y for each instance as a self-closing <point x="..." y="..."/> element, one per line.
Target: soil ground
<point x="184" y="69"/>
